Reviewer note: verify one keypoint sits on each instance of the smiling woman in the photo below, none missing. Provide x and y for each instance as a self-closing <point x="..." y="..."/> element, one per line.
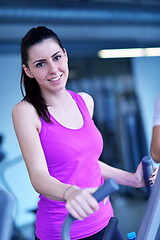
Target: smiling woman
<point x="60" y="143"/>
<point x="41" y="66"/>
<point x="47" y="66"/>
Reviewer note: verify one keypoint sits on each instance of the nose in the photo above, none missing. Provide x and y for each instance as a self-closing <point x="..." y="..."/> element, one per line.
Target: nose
<point x="52" y="68"/>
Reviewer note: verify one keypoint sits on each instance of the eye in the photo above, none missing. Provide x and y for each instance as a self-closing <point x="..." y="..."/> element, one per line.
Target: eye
<point x="40" y="64"/>
<point x="56" y="58"/>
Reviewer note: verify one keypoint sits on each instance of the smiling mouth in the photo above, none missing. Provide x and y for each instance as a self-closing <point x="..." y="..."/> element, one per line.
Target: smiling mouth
<point x="54" y="79"/>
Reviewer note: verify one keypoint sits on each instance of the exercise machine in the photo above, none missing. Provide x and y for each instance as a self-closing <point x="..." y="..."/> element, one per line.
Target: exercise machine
<point x="150" y="225"/>
<point x="7" y="210"/>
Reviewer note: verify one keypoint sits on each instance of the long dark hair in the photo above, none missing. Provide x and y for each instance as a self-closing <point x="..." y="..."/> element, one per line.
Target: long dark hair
<point x="29" y="87"/>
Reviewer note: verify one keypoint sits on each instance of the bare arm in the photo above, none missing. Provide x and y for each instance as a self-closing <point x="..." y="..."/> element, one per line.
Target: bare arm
<point x="79" y="202"/>
<point x="120" y="176"/>
<point x="155" y="144"/>
<point x="155" y="141"/>
<point x="123" y="177"/>
<point x="26" y="124"/>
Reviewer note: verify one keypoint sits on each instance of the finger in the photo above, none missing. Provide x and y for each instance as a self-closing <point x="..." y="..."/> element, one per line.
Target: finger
<point x="87" y="201"/>
<point x="151" y="183"/>
<point x="105" y="200"/>
<point x="73" y="212"/>
<point x="151" y="180"/>
<point x="91" y="201"/>
<point x="92" y="190"/>
<point x="155" y="171"/>
<point x="79" y="208"/>
<point x="154" y="174"/>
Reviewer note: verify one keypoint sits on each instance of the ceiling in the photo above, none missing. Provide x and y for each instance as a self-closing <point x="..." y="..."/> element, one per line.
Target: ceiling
<point x="84" y="26"/>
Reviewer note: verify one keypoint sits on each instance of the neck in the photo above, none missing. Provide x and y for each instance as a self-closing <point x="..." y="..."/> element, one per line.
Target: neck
<point x="58" y="99"/>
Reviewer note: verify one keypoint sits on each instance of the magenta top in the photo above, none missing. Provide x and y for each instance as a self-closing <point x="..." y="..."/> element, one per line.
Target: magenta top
<point x="72" y="157"/>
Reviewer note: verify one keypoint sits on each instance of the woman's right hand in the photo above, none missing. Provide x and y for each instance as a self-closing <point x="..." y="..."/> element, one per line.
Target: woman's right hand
<point x="79" y="202"/>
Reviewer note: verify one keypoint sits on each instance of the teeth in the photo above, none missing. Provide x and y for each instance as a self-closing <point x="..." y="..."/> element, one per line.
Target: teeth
<point x="54" y="79"/>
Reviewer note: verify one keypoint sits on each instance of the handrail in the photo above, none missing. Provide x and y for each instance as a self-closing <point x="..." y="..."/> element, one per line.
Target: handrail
<point x="106" y="189"/>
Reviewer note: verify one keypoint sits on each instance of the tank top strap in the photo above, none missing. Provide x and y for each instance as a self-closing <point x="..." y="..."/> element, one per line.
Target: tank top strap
<point x="81" y="104"/>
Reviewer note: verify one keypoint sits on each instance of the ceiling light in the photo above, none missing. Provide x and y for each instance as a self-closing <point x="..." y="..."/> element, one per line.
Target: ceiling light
<point x="129" y="52"/>
<point x="152" y="52"/>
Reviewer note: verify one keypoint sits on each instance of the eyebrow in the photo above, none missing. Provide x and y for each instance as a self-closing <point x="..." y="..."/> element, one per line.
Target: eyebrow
<point x="42" y="60"/>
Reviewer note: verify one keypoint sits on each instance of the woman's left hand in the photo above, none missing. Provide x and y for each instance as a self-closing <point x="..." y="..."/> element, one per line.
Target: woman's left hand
<point x="152" y="179"/>
<point x="139" y="177"/>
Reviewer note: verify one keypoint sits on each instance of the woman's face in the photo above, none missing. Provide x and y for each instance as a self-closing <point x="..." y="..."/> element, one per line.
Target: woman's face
<point x="48" y="64"/>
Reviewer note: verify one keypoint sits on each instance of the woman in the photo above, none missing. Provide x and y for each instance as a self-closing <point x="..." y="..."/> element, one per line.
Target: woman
<point x="60" y="143"/>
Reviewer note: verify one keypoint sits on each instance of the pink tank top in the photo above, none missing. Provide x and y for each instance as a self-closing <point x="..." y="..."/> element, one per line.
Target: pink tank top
<point x="72" y="157"/>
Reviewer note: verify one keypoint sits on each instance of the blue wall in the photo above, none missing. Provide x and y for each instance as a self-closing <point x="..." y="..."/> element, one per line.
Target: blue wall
<point x="15" y="174"/>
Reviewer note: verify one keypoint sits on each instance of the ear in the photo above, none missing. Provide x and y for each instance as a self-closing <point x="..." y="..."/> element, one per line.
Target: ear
<point x="27" y="71"/>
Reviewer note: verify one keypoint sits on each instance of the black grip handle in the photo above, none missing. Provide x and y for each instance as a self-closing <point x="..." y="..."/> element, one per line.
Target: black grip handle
<point x="110" y="229"/>
<point x="106" y="189"/>
<point x="147" y="165"/>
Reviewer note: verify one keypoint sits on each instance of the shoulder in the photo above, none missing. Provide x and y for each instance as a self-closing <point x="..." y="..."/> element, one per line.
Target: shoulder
<point x="26" y="113"/>
<point x="24" y="108"/>
<point x="88" y="101"/>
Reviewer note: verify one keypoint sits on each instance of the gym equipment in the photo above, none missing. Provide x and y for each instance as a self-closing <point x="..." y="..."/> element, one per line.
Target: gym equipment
<point x="16" y="169"/>
<point x="112" y="231"/>
<point x="147" y="165"/>
<point x="150" y="225"/>
<point x="106" y="189"/>
<point x="7" y="209"/>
